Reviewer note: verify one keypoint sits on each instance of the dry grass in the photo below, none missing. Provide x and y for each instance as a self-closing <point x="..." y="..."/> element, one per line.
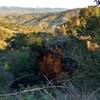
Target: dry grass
<point x="63" y="92"/>
<point x="66" y="91"/>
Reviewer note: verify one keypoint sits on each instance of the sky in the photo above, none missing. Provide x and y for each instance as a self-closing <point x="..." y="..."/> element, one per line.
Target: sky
<point x="48" y="3"/>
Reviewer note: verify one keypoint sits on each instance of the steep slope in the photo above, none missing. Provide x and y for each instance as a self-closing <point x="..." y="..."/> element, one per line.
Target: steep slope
<point x="45" y="21"/>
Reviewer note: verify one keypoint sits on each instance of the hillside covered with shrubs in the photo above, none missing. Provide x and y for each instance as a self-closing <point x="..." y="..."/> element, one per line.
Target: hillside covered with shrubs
<point x="42" y="57"/>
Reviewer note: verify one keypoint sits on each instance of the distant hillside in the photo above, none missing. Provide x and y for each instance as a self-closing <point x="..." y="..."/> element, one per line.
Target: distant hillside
<point x="18" y="10"/>
<point x="37" y="19"/>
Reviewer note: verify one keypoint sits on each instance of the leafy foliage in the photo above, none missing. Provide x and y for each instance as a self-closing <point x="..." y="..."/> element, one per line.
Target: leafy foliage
<point x="74" y="36"/>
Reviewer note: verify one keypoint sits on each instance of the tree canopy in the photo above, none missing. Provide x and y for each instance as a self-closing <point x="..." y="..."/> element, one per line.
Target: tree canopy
<point x="97" y="2"/>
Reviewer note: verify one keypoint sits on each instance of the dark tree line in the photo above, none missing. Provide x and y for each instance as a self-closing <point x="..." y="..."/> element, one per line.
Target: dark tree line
<point x="97" y="2"/>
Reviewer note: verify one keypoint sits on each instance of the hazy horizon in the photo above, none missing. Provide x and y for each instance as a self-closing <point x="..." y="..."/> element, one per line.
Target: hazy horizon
<point x="32" y="7"/>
